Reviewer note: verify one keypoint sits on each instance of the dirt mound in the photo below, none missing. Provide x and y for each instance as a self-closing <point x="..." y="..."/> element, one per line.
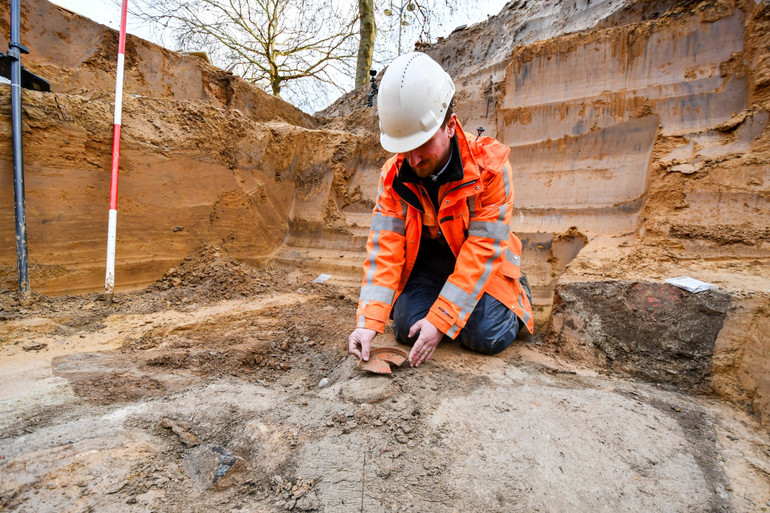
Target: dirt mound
<point x="214" y="275"/>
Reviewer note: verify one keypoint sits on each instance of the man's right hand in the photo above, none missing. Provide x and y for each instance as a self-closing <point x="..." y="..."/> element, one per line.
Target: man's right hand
<point x="360" y="341"/>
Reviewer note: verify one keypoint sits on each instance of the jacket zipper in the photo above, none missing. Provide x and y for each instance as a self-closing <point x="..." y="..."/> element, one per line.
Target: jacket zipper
<point x="454" y="189"/>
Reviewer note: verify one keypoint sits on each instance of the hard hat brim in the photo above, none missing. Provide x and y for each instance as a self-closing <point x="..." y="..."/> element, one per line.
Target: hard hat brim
<point x="405" y="144"/>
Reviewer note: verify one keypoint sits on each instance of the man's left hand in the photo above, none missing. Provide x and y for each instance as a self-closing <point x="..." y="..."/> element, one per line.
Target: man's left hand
<point x="425" y="344"/>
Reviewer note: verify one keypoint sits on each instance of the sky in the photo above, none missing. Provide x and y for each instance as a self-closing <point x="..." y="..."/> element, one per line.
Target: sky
<point x="107" y="12"/>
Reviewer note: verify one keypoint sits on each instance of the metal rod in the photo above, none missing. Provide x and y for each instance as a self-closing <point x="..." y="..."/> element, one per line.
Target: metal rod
<point x="14" y="52"/>
<point x="109" y="279"/>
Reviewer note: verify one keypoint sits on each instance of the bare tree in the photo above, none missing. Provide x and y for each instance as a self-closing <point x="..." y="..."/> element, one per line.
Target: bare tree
<point x="303" y="46"/>
<point x="404" y="23"/>
<point x="302" y="50"/>
<point x="407" y="21"/>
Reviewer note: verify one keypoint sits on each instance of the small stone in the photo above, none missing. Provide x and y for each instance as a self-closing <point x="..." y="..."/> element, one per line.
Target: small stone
<point x="686" y="169"/>
<point x="308" y="502"/>
<point x="325" y="382"/>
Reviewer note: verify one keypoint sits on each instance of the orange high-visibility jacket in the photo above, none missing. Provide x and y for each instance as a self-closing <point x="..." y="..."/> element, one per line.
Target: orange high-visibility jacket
<point x="474" y="216"/>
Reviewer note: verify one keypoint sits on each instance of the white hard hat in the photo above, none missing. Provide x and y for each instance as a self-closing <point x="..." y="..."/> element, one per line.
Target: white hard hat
<point x="413" y="98"/>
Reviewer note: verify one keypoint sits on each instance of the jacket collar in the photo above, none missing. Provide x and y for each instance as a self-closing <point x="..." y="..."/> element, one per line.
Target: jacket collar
<point x="466" y="163"/>
<point x="468" y="169"/>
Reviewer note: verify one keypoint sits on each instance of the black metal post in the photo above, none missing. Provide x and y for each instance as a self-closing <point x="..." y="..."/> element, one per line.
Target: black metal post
<point x="373" y="92"/>
<point x="15" y="49"/>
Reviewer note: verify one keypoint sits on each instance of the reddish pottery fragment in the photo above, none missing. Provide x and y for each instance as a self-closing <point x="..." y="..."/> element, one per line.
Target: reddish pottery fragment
<point x="381" y="358"/>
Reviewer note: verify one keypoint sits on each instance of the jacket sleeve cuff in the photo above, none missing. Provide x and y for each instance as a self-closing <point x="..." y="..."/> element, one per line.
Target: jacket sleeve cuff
<point x="372" y="324"/>
<point x="441" y="324"/>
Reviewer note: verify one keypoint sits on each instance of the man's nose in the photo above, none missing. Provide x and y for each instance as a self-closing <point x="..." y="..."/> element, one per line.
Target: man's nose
<point x="413" y="157"/>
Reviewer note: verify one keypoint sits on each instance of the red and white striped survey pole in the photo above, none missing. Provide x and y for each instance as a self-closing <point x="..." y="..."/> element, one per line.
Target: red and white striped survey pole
<point x="109" y="280"/>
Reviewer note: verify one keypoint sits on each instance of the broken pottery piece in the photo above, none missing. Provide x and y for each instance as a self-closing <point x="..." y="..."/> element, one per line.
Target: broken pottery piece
<point x="381" y="358"/>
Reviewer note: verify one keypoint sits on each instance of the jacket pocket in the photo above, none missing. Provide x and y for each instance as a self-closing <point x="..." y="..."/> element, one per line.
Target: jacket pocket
<point x="511" y="265"/>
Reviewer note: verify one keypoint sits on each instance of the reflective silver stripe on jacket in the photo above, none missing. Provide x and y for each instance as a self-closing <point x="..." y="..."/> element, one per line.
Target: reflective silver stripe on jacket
<point x="467" y="302"/>
<point x="392" y="224"/>
<point x="377" y="293"/>
<point x="369" y="278"/>
<point x="491" y="230"/>
<point x="380" y="222"/>
<point x="512" y="257"/>
<point x="458" y="296"/>
<point x="525" y="314"/>
<point x="375" y="239"/>
<point x="373" y="258"/>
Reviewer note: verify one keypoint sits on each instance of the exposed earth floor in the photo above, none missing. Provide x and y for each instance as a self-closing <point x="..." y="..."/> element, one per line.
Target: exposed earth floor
<point x="225" y="387"/>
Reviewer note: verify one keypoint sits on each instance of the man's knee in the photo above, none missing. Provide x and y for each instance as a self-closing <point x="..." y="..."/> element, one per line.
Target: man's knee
<point x="402" y="322"/>
<point x="487" y="339"/>
<point x="491" y="328"/>
<point x="412" y="305"/>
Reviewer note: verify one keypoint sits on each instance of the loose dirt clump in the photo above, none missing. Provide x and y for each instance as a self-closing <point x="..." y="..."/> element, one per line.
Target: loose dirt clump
<point x="210" y="274"/>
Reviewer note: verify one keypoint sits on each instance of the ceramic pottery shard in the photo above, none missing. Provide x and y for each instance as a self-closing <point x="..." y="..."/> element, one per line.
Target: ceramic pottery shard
<point x="381" y="358"/>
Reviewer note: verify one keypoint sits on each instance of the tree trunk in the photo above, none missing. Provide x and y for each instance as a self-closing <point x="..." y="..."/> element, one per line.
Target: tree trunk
<point x="368" y="31"/>
<point x="275" y="77"/>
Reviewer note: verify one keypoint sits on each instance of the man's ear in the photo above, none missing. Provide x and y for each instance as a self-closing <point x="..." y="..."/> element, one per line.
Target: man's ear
<point x="451" y="125"/>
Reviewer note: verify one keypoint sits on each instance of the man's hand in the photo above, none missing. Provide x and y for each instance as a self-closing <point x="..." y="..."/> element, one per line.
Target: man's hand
<point x="425" y="344"/>
<point x="360" y="341"/>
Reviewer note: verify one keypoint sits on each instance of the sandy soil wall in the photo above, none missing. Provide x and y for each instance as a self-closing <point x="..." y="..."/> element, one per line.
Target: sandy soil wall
<point x="191" y="174"/>
<point x="205" y="158"/>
